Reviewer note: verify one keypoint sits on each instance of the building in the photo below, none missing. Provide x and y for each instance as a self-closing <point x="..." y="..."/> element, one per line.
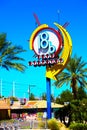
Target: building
<point x="17" y="109"/>
<point x="4" y="109"/>
<point x="33" y="107"/>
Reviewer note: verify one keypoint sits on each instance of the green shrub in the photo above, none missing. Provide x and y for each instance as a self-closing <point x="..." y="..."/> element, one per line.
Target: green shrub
<point x="41" y="125"/>
<point x="78" y="126"/>
<point x="25" y="127"/>
<point x="53" y="124"/>
<point x="8" y="121"/>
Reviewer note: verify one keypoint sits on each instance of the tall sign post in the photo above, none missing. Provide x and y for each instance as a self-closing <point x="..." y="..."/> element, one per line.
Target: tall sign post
<point x="48" y="87"/>
<point x="53" y="49"/>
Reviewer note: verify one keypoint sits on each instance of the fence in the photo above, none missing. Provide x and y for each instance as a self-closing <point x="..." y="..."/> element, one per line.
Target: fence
<point x="24" y="125"/>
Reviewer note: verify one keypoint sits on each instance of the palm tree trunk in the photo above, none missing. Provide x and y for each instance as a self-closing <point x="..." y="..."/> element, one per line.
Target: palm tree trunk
<point x="74" y="88"/>
<point x="74" y="92"/>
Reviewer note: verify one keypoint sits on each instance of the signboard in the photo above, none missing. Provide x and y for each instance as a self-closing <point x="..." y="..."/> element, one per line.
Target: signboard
<point x="52" y="48"/>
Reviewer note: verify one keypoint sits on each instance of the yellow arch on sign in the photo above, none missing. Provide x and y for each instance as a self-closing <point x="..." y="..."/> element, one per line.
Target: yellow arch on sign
<point x="51" y="72"/>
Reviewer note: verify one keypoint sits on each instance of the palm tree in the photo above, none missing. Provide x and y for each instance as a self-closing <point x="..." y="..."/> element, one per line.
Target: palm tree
<point x="74" y="74"/>
<point x="9" y="55"/>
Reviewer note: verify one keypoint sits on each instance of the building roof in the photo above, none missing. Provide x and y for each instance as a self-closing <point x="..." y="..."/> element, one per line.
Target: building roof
<point x="34" y="104"/>
<point x="41" y="104"/>
<point x="4" y="104"/>
<point x="16" y="105"/>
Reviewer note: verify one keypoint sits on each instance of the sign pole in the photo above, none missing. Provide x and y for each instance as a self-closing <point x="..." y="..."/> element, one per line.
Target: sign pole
<point x="48" y="86"/>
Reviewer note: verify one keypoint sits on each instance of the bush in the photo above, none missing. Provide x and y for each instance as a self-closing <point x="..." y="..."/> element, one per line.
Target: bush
<point x="78" y="126"/>
<point x="8" y="121"/>
<point x="25" y="127"/>
<point x="41" y="125"/>
<point x="53" y="124"/>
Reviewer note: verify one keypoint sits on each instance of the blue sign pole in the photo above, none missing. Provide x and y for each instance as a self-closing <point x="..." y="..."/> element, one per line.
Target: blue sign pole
<point x="48" y="85"/>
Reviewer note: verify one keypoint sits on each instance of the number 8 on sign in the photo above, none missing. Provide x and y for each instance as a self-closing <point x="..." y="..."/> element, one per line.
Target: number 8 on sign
<point x="45" y="45"/>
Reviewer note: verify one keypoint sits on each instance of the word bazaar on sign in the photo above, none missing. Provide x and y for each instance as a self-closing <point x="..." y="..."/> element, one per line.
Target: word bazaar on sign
<point x="46" y="60"/>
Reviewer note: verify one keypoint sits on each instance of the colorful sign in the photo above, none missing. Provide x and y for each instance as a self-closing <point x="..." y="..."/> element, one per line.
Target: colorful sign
<point x="52" y="48"/>
<point x="46" y="41"/>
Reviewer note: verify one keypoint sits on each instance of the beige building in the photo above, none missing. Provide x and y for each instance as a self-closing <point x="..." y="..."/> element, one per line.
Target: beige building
<point x="4" y="109"/>
<point x="30" y="107"/>
<point x="33" y="107"/>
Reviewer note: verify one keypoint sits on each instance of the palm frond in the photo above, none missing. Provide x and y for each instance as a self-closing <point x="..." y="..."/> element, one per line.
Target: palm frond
<point x="74" y="74"/>
<point x="10" y="55"/>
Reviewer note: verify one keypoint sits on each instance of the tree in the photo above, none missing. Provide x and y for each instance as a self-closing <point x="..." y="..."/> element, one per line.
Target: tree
<point x="32" y="97"/>
<point x="78" y="110"/>
<point x="66" y="96"/>
<point x="81" y="93"/>
<point x="74" y="74"/>
<point x="44" y="97"/>
<point x="9" y="55"/>
<point x="13" y="98"/>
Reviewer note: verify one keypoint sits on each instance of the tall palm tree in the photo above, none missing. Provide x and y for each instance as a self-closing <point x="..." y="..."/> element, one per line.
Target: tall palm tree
<point x="74" y="74"/>
<point x="9" y="55"/>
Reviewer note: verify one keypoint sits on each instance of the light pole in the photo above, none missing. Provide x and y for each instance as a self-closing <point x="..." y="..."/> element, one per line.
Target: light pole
<point x="1" y="87"/>
<point x="13" y="94"/>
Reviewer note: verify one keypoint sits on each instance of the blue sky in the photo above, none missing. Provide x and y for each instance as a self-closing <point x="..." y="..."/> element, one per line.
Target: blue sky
<point x="17" y="20"/>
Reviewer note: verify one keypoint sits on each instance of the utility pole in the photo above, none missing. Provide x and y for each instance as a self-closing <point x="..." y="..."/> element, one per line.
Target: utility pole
<point x="1" y="87"/>
<point x="29" y="90"/>
<point x="13" y="93"/>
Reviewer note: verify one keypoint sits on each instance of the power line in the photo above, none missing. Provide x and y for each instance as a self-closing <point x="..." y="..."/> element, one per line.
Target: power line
<point x="9" y="88"/>
<point x="13" y="88"/>
<point x="17" y="83"/>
